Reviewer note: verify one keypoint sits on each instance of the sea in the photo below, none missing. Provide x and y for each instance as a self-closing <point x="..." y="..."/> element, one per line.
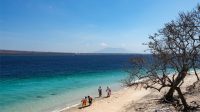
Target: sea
<point x="50" y="83"/>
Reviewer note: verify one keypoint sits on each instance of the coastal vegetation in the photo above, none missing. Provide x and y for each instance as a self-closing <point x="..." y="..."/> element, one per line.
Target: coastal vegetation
<point x="175" y="50"/>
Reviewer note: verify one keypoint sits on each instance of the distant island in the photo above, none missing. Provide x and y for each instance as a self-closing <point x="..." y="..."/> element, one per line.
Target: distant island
<point x="16" y="52"/>
<point x="27" y="53"/>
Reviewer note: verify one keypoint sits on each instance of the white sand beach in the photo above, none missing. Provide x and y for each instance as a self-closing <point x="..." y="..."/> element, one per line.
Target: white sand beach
<point x="132" y="99"/>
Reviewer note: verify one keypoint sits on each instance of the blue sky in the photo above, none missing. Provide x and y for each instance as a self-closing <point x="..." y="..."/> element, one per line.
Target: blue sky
<point x="84" y="25"/>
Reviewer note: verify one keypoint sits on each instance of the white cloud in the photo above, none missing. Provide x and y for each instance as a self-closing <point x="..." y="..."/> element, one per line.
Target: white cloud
<point x="123" y="45"/>
<point x="103" y="44"/>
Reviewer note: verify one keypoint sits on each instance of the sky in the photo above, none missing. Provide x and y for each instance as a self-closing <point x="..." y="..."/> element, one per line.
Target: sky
<point x="84" y="26"/>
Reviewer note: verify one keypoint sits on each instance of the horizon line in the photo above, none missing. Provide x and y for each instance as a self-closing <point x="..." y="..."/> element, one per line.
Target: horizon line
<point x="6" y="51"/>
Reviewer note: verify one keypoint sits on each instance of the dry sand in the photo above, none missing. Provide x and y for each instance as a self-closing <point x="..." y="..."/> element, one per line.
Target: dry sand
<point x="151" y="102"/>
<point x="115" y="102"/>
<point x="137" y="100"/>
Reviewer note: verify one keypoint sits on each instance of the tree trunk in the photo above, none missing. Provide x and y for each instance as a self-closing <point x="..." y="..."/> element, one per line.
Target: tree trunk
<point x="180" y="77"/>
<point x="169" y="95"/>
<point x="196" y="74"/>
<point x="180" y="94"/>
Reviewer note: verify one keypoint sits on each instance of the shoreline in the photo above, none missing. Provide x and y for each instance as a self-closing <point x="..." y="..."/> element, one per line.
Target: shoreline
<point x="116" y="88"/>
<point x="118" y="98"/>
<point x="130" y="99"/>
<point x="66" y="108"/>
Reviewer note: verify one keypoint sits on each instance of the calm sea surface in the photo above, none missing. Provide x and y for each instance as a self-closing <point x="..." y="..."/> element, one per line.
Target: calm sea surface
<point x="49" y="83"/>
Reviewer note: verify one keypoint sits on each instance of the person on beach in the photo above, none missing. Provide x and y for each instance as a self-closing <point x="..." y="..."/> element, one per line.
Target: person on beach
<point x="100" y="91"/>
<point x="108" y="90"/>
<point x="90" y="100"/>
<point x="84" y="102"/>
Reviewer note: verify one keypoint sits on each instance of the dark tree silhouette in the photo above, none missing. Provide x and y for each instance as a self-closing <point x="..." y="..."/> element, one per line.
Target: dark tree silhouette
<point x="175" y="50"/>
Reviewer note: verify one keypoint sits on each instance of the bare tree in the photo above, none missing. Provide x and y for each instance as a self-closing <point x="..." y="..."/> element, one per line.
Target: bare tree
<point x="175" y="50"/>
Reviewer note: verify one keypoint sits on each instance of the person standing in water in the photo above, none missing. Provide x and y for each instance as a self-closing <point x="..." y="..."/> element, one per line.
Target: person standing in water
<point x="100" y="91"/>
<point x="108" y="90"/>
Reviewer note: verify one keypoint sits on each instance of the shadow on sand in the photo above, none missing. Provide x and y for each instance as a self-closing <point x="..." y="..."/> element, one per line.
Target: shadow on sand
<point x="95" y="98"/>
<point x="84" y="107"/>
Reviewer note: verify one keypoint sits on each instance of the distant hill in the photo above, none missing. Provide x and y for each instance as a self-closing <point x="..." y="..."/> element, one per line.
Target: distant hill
<point x="110" y="51"/>
<point x="15" y="52"/>
<point x="113" y="50"/>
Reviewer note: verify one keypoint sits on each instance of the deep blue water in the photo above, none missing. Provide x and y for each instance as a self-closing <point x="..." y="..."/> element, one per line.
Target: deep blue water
<point x="43" y="83"/>
<point x="42" y="66"/>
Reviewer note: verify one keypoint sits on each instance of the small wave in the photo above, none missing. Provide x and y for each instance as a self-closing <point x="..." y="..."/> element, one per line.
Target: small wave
<point x="66" y="108"/>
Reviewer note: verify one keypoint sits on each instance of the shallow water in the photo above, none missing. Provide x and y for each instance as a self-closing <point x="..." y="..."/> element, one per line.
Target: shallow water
<point x="47" y="83"/>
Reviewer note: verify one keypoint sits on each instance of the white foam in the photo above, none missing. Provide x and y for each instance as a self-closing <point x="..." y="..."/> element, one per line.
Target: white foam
<point x="115" y="89"/>
<point x="65" y="108"/>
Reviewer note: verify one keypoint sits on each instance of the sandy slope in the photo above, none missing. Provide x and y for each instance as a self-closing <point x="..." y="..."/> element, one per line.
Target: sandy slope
<point x="132" y="99"/>
<point x="150" y="102"/>
<point x="116" y="103"/>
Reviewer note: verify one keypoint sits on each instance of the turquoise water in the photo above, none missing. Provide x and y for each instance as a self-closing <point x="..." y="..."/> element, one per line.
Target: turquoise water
<point x="47" y="84"/>
<point x="47" y="94"/>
